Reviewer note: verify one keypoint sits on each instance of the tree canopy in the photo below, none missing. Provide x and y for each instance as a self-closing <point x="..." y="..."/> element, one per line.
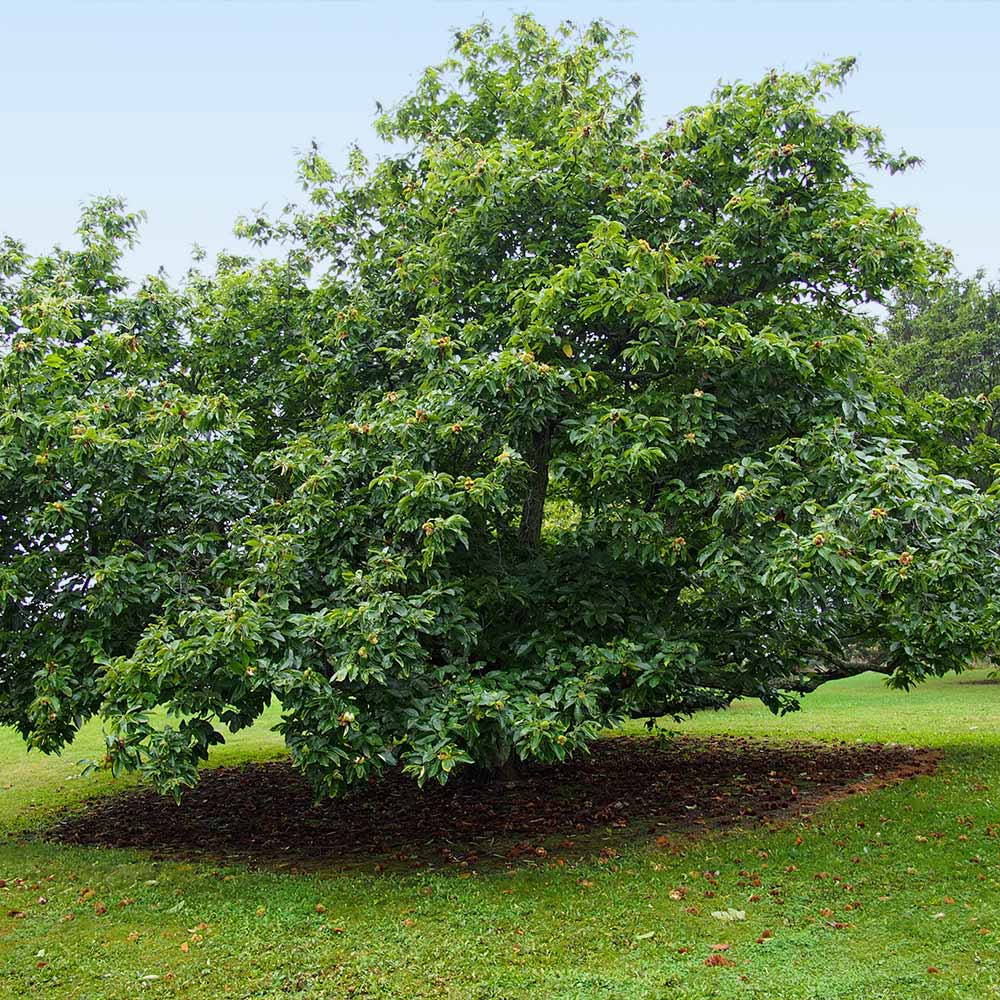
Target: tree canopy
<point x="544" y="419"/>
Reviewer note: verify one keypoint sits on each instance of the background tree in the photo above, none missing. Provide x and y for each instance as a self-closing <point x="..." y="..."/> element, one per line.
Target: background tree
<point x="542" y="421"/>
<point x="941" y="344"/>
<point x="945" y="337"/>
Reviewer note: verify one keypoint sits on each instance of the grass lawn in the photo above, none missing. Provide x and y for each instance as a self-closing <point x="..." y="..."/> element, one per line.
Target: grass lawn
<point x="922" y="859"/>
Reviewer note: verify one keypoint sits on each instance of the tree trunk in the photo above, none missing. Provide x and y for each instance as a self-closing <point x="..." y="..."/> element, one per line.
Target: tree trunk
<point x="488" y="776"/>
<point x="495" y="762"/>
<point x="530" y="531"/>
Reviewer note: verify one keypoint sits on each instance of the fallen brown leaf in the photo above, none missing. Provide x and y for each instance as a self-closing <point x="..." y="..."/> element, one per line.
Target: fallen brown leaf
<point x="719" y="960"/>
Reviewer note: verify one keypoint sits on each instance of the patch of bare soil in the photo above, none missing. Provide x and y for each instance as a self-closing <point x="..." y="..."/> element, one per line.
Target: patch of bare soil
<point x="264" y="814"/>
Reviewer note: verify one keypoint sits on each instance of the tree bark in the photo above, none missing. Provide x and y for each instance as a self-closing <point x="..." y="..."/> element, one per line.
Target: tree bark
<point x="530" y="531"/>
<point x="495" y="763"/>
<point x="483" y="776"/>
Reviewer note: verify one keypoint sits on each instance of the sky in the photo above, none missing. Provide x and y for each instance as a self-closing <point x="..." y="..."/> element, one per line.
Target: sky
<point x="195" y="111"/>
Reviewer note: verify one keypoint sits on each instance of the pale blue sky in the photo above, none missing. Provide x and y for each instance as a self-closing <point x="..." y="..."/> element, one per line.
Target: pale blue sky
<point x="194" y="110"/>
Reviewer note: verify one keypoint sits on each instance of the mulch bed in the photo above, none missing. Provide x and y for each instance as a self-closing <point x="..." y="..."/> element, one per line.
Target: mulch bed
<point x="263" y="813"/>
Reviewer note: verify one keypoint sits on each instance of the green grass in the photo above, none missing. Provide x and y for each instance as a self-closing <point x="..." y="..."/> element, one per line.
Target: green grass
<point x="586" y="930"/>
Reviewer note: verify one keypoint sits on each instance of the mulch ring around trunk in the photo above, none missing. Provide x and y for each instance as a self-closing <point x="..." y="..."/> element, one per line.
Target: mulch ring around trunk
<point x="264" y="813"/>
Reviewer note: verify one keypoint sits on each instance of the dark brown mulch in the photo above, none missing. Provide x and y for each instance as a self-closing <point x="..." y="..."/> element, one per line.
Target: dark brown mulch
<point x="264" y="812"/>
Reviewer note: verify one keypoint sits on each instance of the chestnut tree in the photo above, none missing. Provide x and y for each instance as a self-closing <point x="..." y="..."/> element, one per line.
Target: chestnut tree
<point x="546" y="418"/>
